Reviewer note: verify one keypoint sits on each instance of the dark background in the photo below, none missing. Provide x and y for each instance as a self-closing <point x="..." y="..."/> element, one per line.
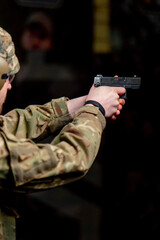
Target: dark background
<point x="120" y="196"/>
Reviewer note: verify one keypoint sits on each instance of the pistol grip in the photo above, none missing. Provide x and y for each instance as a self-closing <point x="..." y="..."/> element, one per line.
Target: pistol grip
<point x="124" y="96"/>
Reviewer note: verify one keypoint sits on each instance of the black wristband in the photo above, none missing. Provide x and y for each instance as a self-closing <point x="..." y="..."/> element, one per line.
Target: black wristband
<point x="97" y="104"/>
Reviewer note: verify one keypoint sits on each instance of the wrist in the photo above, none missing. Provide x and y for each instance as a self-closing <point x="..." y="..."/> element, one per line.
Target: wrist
<point x="97" y="104"/>
<point x="75" y="104"/>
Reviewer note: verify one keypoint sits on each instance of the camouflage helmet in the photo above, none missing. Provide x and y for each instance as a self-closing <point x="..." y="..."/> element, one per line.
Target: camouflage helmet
<point x="7" y="51"/>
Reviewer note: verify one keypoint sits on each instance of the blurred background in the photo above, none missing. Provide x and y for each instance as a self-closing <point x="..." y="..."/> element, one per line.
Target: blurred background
<point x="61" y="46"/>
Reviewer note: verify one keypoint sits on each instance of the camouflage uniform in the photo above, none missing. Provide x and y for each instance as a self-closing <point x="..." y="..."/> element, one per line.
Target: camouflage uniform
<point x="27" y="165"/>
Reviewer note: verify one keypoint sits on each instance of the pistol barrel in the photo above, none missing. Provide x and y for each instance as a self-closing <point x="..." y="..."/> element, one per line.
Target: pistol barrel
<point x="126" y="82"/>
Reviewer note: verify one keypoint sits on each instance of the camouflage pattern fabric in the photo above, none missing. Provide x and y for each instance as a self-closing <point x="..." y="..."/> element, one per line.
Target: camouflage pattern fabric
<point x="68" y="157"/>
<point x="7" y="226"/>
<point x="72" y="151"/>
<point x="7" y="51"/>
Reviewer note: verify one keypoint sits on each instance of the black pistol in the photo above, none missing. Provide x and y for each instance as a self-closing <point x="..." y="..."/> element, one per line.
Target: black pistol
<point x="126" y="82"/>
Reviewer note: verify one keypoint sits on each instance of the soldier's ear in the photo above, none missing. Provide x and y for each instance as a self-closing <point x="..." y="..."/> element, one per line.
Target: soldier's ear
<point x="3" y="71"/>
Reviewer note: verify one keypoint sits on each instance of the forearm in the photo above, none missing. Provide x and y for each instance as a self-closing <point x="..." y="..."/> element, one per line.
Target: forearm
<point x="37" y="121"/>
<point x="74" y="104"/>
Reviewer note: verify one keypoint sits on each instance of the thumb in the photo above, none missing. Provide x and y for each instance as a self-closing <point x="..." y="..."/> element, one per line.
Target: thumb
<point x="120" y="90"/>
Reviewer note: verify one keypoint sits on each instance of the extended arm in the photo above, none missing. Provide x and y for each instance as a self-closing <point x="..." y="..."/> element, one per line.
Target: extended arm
<point x="69" y="156"/>
<point x="37" y="122"/>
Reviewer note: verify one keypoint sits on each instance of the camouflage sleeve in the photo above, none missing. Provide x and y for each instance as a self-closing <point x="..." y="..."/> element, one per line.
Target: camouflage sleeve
<point x="67" y="158"/>
<point x="36" y="122"/>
